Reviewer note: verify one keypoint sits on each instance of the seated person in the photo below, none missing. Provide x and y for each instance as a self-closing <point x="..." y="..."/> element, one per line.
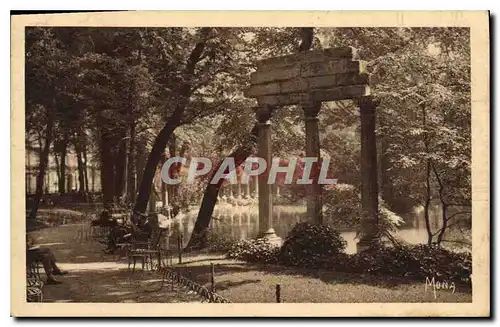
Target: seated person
<point x="46" y="257"/>
<point x="105" y="220"/>
<point x="117" y="235"/>
<point x="144" y="228"/>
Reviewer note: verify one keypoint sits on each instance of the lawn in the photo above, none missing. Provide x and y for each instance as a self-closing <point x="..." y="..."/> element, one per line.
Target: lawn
<point x="250" y="283"/>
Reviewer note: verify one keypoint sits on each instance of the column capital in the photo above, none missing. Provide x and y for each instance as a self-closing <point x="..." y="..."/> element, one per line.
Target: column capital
<point x="263" y="114"/>
<point x="368" y="102"/>
<point x="311" y="109"/>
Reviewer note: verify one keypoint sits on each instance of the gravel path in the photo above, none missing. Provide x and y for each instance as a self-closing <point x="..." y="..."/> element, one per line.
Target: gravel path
<point x="97" y="277"/>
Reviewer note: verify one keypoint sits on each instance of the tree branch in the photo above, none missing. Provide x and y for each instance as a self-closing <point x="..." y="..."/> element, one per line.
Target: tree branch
<point x="458" y="242"/>
<point x="455" y="214"/>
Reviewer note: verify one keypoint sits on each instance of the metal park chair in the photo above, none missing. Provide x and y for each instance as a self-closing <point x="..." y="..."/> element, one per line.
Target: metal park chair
<point x="34" y="283"/>
<point x="145" y="249"/>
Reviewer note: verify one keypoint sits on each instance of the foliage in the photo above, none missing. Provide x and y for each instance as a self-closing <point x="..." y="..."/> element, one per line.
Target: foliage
<point x="343" y="208"/>
<point x="216" y="243"/>
<point x="412" y="261"/>
<point x="342" y="204"/>
<point x="189" y="194"/>
<point x="307" y="243"/>
<point x="422" y="77"/>
<point x="307" y="246"/>
<point x="254" y="250"/>
<point x="97" y="85"/>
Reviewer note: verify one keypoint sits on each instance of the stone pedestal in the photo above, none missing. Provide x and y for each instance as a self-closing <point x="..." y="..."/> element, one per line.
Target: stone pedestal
<point x="314" y="194"/>
<point x="264" y="189"/>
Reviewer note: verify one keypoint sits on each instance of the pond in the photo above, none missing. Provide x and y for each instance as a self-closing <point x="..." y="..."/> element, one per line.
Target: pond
<point x="243" y="222"/>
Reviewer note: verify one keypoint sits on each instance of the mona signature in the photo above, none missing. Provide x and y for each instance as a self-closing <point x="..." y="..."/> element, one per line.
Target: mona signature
<point x="435" y="285"/>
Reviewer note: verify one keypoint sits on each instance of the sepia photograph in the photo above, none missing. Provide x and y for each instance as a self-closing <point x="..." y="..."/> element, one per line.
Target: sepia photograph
<point x="341" y="164"/>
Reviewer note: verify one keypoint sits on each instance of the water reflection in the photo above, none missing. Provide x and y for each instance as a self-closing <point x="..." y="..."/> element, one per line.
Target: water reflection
<point x="243" y="222"/>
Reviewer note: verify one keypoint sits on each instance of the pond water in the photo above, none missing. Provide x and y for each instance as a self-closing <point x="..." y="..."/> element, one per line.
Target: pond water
<point x="243" y="222"/>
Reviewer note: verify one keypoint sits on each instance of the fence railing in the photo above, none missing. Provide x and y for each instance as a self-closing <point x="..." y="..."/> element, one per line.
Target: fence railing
<point x="174" y="276"/>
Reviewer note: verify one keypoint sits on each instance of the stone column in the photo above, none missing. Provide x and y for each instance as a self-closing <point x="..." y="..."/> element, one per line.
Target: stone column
<point x="264" y="189"/>
<point x="222" y="192"/>
<point x="166" y="204"/>
<point x="369" y="177"/>
<point x="238" y="190"/>
<point x="314" y="196"/>
<point x="256" y="184"/>
<point x="248" y="195"/>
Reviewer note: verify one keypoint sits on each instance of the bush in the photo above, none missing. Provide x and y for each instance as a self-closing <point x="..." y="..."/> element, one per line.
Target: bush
<point x="308" y="245"/>
<point x="217" y="243"/>
<point x="211" y="241"/>
<point x="410" y="261"/>
<point x="442" y="263"/>
<point x="254" y="250"/>
<point x="314" y="246"/>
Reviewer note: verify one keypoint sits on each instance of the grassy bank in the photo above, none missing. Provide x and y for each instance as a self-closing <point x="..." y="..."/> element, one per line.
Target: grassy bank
<point x="242" y="282"/>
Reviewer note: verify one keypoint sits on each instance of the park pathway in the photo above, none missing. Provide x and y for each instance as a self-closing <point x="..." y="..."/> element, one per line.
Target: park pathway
<point x="98" y="277"/>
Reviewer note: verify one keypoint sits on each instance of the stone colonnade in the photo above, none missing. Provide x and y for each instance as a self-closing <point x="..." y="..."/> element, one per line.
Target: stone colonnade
<point x="369" y="183"/>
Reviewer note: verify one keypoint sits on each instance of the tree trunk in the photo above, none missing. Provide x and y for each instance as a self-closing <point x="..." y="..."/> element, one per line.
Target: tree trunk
<point x="62" y="167"/>
<point x="444" y="217"/>
<point x="161" y="140"/>
<point x="444" y="207"/>
<point x="131" y="167"/>
<point x="120" y="166"/>
<point x="239" y="155"/>
<point x="85" y="170"/>
<point x="172" y="149"/>
<point x="58" y="172"/>
<point x="81" y="174"/>
<point x="141" y="157"/>
<point x="427" y="203"/>
<point x="212" y="190"/>
<point x="44" y="160"/>
<point x="154" y="158"/>
<point x="428" y="196"/>
<point x="163" y="188"/>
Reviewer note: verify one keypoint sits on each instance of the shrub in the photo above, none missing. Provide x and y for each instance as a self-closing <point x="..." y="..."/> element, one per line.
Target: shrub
<point x="217" y="243"/>
<point x="254" y="250"/>
<point x="411" y="261"/>
<point x="211" y="241"/>
<point x="442" y="263"/>
<point x="308" y="245"/>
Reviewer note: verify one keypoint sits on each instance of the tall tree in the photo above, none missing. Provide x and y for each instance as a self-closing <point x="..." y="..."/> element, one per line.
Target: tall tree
<point x="201" y="87"/>
<point x="239" y="155"/>
<point x="44" y="80"/>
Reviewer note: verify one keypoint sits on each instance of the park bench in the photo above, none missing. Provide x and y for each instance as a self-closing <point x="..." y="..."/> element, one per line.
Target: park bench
<point x="34" y="283"/>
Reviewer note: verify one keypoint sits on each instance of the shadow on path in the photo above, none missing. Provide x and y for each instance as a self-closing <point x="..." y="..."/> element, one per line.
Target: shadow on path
<point x="97" y="277"/>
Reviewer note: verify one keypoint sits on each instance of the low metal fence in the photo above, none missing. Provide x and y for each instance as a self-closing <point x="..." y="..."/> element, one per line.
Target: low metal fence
<point x="201" y="290"/>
